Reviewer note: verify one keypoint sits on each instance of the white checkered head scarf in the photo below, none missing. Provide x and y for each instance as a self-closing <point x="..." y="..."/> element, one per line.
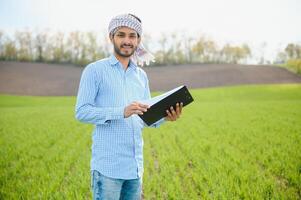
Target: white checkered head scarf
<point x="141" y="55"/>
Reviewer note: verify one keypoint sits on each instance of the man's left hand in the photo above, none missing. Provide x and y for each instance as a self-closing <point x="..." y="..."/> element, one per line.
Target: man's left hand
<point x="174" y="114"/>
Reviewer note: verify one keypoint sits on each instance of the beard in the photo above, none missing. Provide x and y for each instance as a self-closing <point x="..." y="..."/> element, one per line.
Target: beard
<point x="124" y="52"/>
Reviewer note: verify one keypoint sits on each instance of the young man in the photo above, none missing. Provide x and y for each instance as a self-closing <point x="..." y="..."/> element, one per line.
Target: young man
<point x="108" y="97"/>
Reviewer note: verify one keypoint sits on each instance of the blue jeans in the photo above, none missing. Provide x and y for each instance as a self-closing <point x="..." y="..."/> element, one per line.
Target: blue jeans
<point x="106" y="188"/>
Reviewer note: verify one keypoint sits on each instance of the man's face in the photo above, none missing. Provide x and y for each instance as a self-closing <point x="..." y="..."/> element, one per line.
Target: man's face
<point x="125" y="41"/>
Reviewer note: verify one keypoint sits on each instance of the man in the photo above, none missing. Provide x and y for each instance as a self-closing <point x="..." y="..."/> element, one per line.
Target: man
<point x="108" y="97"/>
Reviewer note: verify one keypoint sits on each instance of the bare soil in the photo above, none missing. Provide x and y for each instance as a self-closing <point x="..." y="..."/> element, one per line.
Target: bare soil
<point x="40" y="79"/>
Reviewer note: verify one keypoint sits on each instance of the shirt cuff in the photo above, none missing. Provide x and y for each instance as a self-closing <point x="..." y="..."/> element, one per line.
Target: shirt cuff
<point x="115" y="113"/>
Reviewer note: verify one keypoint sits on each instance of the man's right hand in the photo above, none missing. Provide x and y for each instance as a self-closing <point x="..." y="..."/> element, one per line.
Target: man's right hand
<point x="135" y="108"/>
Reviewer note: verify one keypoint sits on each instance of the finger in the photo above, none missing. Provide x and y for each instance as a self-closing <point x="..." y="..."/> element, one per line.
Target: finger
<point x="138" y="112"/>
<point x="178" y="109"/>
<point x="173" y="112"/>
<point x="137" y="107"/>
<point x="143" y="105"/>
<point x="142" y="109"/>
<point x="172" y="115"/>
<point x="169" y="115"/>
<point x="181" y="106"/>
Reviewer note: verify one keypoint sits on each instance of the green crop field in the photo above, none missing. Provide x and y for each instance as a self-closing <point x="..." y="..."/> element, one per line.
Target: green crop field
<point x="231" y="143"/>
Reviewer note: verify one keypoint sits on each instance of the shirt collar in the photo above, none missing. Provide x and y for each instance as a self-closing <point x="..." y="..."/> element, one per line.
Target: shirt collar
<point x="113" y="61"/>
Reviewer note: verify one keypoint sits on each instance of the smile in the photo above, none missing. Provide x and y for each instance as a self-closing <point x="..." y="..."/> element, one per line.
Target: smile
<point x="127" y="47"/>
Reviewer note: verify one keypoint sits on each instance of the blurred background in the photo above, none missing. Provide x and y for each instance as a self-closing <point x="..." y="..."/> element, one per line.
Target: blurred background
<point x="240" y="59"/>
<point x="248" y="32"/>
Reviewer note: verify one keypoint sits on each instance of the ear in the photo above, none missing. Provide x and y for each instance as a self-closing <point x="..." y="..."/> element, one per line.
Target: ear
<point x="139" y="40"/>
<point x="111" y="36"/>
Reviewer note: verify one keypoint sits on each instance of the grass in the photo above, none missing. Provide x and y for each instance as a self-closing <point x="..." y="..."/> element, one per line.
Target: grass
<point x="231" y="143"/>
<point x="293" y="65"/>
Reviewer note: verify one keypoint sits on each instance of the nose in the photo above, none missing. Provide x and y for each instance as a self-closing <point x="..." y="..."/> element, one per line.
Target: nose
<point x="127" y="40"/>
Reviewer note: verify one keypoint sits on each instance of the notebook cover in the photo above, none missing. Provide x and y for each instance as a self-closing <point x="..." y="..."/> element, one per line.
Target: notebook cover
<point x="158" y="110"/>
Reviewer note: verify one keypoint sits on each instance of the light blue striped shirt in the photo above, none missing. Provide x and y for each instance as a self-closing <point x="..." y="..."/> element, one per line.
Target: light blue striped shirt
<point x="105" y="89"/>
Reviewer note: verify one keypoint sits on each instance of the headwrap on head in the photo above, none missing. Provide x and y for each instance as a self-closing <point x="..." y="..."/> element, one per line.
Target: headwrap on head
<point x="141" y="55"/>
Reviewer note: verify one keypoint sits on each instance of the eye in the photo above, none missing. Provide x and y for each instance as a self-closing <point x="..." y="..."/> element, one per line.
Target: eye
<point x="133" y="36"/>
<point x="120" y="35"/>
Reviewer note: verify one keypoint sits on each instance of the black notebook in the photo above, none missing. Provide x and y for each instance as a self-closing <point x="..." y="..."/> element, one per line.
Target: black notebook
<point x="159" y="104"/>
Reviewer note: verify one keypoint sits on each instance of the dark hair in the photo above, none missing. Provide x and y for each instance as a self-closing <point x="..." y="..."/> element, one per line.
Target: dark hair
<point x="136" y="17"/>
